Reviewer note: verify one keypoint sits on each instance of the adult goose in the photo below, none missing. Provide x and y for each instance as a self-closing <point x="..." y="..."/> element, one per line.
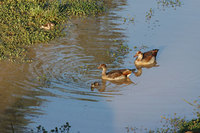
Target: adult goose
<point x="147" y="58"/>
<point x="115" y="74"/>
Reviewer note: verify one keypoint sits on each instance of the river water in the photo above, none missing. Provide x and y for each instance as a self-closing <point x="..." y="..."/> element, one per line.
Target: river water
<point x="55" y="87"/>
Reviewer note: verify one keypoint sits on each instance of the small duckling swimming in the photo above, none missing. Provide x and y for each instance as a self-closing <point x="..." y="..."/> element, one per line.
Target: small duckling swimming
<point x="95" y="85"/>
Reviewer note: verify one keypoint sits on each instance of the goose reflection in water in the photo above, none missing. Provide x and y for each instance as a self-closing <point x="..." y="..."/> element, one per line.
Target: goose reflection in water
<point x="101" y="86"/>
<point x="139" y="68"/>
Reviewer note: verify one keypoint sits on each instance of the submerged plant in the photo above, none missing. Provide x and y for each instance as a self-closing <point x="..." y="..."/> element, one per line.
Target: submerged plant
<point x="149" y="14"/>
<point x="169" y="3"/>
<point x="163" y="4"/>
<point x="142" y="47"/>
<point x="129" y="20"/>
<point x="119" y="52"/>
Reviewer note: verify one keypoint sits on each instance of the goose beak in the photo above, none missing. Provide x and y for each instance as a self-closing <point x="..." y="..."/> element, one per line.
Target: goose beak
<point x="135" y="55"/>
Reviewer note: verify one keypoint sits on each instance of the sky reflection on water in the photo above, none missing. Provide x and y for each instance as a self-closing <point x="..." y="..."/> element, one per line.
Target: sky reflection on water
<point x="57" y="84"/>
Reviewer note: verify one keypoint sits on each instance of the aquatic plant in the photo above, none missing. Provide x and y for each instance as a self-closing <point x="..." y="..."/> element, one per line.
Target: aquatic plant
<point x="62" y="129"/>
<point x="129" y="20"/>
<point x="142" y="47"/>
<point x="149" y="14"/>
<point x="169" y="3"/>
<point x="163" y="4"/>
<point x="119" y="52"/>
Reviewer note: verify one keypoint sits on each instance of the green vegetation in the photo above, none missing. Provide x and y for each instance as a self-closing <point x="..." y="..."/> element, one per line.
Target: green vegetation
<point x="119" y="52"/>
<point x="83" y="7"/>
<point x="142" y="47"/>
<point x="63" y="129"/>
<point x="168" y="3"/>
<point x="194" y="124"/>
<point x="149" y="14"/>
<point x="129" y="20"/>
<point x="175" y="124"/>
<point x="162" y="4"/>
<point x="25" y="22"/>
<point x="181" y="125"/>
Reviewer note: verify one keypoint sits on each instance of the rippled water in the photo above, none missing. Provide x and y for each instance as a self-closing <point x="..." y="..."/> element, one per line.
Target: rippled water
<point x="55" y="87"/>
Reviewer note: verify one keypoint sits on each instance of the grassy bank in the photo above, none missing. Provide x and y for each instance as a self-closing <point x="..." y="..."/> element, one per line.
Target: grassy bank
<point x="27" y="22"/>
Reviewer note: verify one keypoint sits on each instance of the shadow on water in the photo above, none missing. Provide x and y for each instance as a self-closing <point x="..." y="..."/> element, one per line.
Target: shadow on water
<point x="138" y="71"/>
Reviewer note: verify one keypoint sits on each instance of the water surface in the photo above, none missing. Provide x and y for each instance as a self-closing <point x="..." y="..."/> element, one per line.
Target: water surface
<point x="55" y="87"/>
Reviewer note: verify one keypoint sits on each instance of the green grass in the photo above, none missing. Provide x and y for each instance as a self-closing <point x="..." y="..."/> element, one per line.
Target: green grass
<point x="83" y="7"/>
<point x="21" y="21"/>
<point x="175" y="124"/>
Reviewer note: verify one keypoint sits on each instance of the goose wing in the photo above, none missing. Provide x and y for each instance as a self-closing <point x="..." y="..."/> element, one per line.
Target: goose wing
<point x="114" y="73"/>
<point x="117" y="73"/>
<point x="148" y="55"/>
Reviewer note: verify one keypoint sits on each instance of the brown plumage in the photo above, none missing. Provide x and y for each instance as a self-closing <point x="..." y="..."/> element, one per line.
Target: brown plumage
<point x="95" y="84"/>
<point x="146" y="58"/>
<point x="115" y="74"/>
<point x="47" y="26"/>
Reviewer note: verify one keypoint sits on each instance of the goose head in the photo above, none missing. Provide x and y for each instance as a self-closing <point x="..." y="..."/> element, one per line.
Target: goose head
<point x="139" y="55"/>
<point x="102" y="66"/>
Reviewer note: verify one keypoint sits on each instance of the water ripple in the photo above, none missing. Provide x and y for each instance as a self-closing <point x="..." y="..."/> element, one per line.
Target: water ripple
<point x="69" y="65"/>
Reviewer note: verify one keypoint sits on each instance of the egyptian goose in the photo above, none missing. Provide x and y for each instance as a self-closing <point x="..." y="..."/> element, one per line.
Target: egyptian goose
<point x="147" y="58"/>
<point x="47" y="26"/>
<point x="115" y="74"/>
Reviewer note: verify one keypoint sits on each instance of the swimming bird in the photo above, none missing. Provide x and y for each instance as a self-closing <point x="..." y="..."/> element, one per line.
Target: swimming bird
<point x="115" y="74"/>
<point x="95" y="84"/>
<point x="147" y="58"/>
